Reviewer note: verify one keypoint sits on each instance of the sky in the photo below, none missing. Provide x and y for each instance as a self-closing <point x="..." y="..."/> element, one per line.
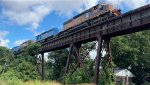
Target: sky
<point x="22" y="20"/>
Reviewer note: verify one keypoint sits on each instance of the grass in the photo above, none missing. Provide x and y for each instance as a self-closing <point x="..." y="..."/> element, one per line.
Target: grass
<point x="19" y="82"/>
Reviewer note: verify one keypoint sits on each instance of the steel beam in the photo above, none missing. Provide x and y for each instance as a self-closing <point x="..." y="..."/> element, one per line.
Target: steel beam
<point x="98" y="58"/>
<point x="77" y="51"/>
<point x="43" y="70"/>
<point x="108" y="50"/>
<point x="80" y="62"/>
<point x="68" y="59"/>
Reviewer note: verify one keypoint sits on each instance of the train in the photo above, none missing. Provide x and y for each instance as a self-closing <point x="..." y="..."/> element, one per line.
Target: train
<point x="95" y="14"/>
<point x="87" y="18"/>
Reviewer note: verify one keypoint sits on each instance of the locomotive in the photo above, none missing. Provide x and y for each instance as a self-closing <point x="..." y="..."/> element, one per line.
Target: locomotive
<point x="46" y="34"/>
<point x="91" y="16"/>
<point x="16" y="49"/>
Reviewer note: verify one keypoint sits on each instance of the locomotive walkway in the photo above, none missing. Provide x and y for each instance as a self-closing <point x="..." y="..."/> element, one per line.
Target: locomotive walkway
<point x="130" y="22"/>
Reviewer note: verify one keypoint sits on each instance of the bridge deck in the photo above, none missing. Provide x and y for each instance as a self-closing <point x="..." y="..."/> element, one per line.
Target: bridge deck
<point x="133" y="21"/>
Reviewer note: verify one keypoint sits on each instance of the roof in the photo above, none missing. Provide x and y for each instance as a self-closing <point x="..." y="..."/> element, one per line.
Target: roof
<point x="124" y="72"/>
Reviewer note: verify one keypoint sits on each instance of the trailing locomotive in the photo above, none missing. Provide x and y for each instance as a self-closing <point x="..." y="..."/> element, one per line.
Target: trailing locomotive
<point x="49" y="33"/>
<point x="91" y="16"/>
<point x="16" y="49"/>
<point x="25" y="44"/>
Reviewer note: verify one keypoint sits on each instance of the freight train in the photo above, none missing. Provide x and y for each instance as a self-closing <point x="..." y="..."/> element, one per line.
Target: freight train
<point x="87" y="18"/>
<point x="98" y="13"/>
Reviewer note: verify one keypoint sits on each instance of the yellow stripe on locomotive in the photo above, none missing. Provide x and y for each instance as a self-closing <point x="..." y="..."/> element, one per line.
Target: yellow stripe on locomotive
<point x="96" y="11"/>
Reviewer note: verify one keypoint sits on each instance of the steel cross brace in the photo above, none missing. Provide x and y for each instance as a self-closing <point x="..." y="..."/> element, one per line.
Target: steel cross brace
<point x="103" y="44"/>
<point x="77" y="52"/>
<point x="74" y="49"/>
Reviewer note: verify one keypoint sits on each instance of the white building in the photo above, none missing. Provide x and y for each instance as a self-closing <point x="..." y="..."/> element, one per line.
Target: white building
<point x="124" y="76"/>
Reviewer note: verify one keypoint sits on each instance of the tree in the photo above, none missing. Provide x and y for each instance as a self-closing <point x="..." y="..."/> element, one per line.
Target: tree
<point x="24" y="65"/>
<point x="133" y="51"/>
<point x="56" y="63"/>
<point x="6" y="58"/>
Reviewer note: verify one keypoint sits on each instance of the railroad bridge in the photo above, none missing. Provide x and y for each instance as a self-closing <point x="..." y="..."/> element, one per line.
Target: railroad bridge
<point x="130" y="22"/>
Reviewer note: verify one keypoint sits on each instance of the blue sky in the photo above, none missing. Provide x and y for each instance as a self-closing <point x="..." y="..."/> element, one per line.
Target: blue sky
<point x="21" y="20"/>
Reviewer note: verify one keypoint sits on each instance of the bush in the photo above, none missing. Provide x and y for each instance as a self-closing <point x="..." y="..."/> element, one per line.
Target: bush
<point x="20" y="82"/>
<point x="146" y="83"/>
<point x="77" y="77"/>
<point x="9" y="75"/>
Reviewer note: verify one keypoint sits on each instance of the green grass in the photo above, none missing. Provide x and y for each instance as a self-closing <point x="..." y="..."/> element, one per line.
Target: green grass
<point x="19" y="82"/>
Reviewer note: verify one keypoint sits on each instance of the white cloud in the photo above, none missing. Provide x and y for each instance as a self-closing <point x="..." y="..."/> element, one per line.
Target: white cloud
<point x="135" y="4"/>
<point x="131" y="4"/>
<point x="67" y="7"/>
<point x="93" y="54"/>
<point x="3" y="33"/>
<point x="4" y="42"/>
<point x="32" y="12"/>
<point x="19" y="42"/>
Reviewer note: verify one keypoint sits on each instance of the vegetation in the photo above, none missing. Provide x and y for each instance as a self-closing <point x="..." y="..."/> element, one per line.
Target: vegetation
<point x="133" y="52"/>
<point x="19" y="82"/>
<point x="130" y="51"/>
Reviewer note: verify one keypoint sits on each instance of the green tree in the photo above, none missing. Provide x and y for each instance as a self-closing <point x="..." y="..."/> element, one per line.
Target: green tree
<point x="6" y="58"/>
<point x="133" y="51"/>
<point x="24" y="65"/>
<point x="56" y="63"/>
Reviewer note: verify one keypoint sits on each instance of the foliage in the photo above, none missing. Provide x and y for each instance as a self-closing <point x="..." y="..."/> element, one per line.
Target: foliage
<point x="107" y="75"/>
<point x="80" y="76"/>
<point x="130" y="51"/>
<point x="56" y="63"/>
<point x="133" y="52"/>
<point x="146" y="83"/>
<point x="9" y="75"/>
<point x="21" y="66"/>
<point x="35" y="82"/>
<point x="6" y="58"/>
<point x="34" y="49"/>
